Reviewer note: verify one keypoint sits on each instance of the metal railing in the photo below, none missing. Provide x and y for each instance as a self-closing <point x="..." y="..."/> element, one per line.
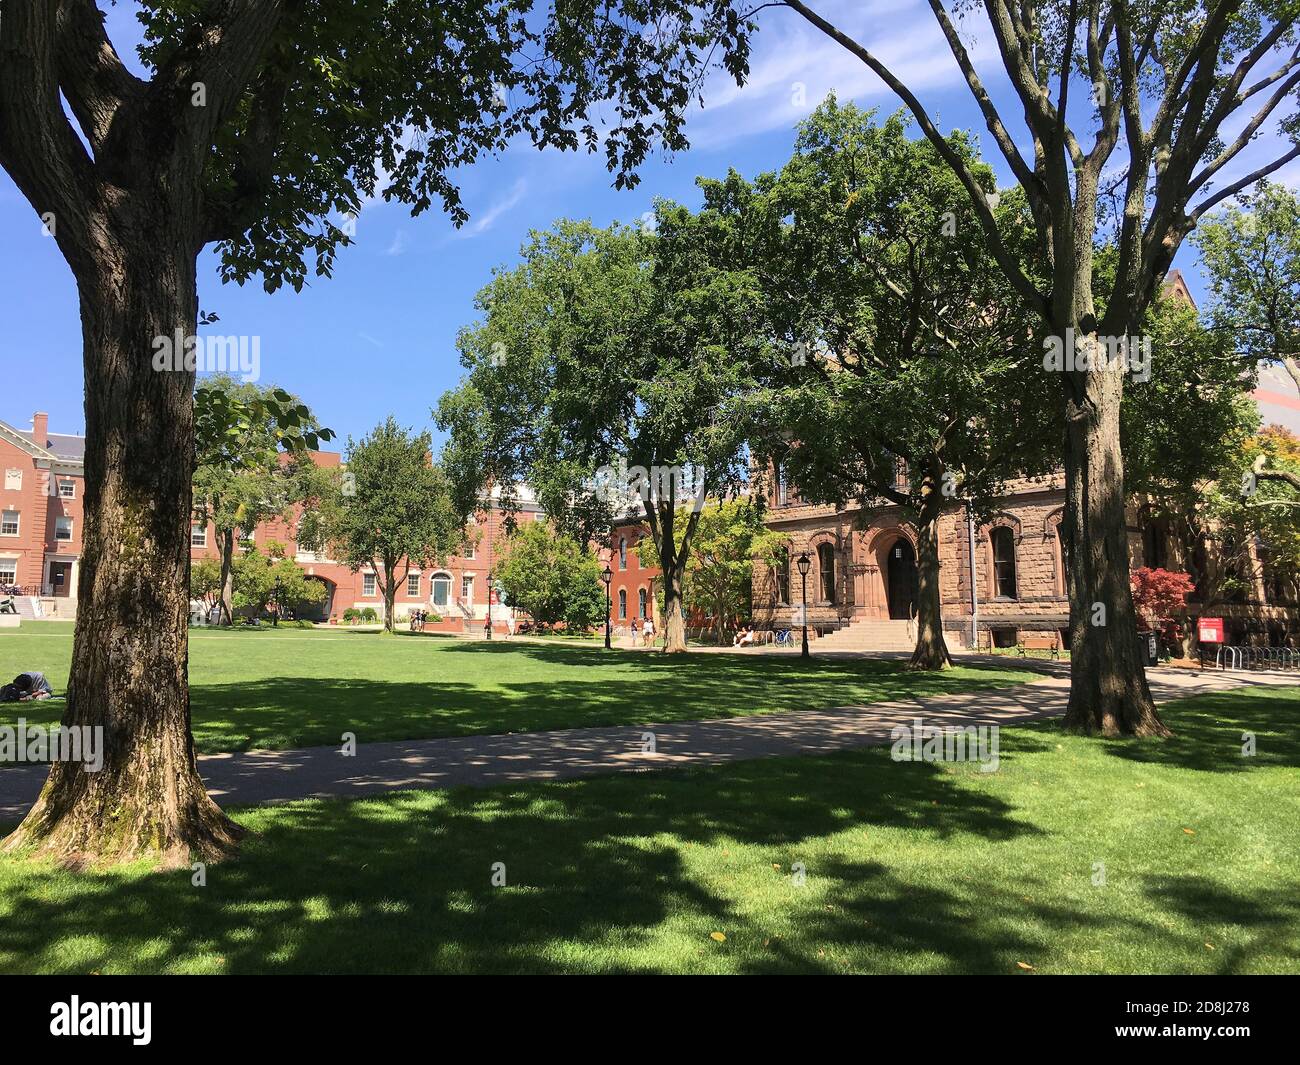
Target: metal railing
<point x="1246" y="657"/>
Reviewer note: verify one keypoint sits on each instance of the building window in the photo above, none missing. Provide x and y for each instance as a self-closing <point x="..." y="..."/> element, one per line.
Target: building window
<point x="781" y="571"/>
<point x="8" y="571"/>
<point x="246" y="541"/>
<point x="622" y="604"/>
<point x="67" y="489"/>
<point x="63" y="528"/>
<point x="782" y="494"/>
<point x="1006" y="637"/>
<point x="14" y="480"/>
<point x="441" y="590"/>
<point x="1155" y="544"/>
<point x="469" y="553"/>
<point x="826" y="571"/>
<point x="640" y="602"/>
<point x="9" y="523"/>
<point x="622" y="552"/>
<point x="198" y="536"/>
<point x="1004" y="562"/>
<point x="467" y="588"/>
<point x="413" y="585"/>
<point x="367" y="584"/>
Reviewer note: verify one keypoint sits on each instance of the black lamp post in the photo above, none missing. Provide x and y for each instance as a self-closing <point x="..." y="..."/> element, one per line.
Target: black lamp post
<point x="607" y="576"/>
<point x="804" y="565"/>
<point x="275" y="618"/>
<point x="487" y="630"/>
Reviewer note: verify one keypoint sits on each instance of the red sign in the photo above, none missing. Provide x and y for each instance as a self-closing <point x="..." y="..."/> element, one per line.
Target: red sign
<point x="1210" y="630"/>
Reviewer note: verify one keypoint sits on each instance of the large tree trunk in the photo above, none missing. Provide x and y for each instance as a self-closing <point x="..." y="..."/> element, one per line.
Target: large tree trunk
<point x="1108" y="687"/>
<point x="227" y="616"/>
<point x="931" y="651"/>
<point x="130" y="655"/>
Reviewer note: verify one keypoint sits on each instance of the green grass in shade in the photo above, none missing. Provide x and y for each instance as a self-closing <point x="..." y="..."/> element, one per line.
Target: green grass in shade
<point x="299" y="688"/>
<point x="910" y="868"/>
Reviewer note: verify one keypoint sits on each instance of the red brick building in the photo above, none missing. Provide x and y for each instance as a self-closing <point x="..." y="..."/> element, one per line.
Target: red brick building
<point x="456" y="590"/>
<point x="40" y="516"/>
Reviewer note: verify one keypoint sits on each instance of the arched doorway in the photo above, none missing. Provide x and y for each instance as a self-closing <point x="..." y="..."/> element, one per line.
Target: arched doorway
<point x="901" y="580"/>
<point x="318" y="611"/>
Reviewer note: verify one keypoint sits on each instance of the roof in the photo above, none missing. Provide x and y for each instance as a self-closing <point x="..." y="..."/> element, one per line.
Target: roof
<point x="63" y="445"/>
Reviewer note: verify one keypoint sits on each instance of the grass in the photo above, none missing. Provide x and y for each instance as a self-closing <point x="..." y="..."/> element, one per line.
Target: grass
<point x="273" y="689"/>
<point x="910" y="868"/>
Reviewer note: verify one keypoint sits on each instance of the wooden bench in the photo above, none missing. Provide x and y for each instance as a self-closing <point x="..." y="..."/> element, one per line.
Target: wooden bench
<point x="1040" y="643"/>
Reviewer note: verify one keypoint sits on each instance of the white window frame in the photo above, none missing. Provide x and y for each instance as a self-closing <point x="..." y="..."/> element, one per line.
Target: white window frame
<point x="201" y="531"/>
<point x="70" y="485"/>
<point x="467" y="587"/>
<point x="13" y="574"/>
<point x="18" y="522"/>
<point x="369" y="585"/>
<point x="63" y="523"/>
<point x="413" y="578"/>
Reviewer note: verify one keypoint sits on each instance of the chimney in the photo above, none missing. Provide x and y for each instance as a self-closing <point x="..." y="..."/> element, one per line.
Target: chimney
<point x="40" y="428"/>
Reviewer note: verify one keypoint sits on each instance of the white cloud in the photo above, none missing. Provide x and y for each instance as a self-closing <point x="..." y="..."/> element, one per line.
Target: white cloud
<point x="483" y="222"/>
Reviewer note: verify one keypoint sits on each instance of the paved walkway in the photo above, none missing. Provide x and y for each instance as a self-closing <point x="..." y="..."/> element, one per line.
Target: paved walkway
<point x="482" y="761"/>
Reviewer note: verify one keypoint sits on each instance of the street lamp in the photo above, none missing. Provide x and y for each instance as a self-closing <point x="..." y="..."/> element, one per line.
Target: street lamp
<point x="804" y="565"/>
<point x="607" y="576"/>
<point x="279" y="591"/>
<point x="487" y="630"/>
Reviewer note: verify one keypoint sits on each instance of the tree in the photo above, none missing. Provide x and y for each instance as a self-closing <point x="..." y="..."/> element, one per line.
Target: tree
<point x="1159" y="596"/>
<point x="551" y="577"/>
<point x="1162" y="78"/>
<point x="729" y="538"/>
<point x="390" y="509"/>
<point x="242" y="481"/>
<point x="262" y="578"/>
<point x="910" y="353"/>
<point x="1251" y="253"/>
<point x="607" y="373"/>
<point x="206" y="582"/>
<point x="264" y="121"/>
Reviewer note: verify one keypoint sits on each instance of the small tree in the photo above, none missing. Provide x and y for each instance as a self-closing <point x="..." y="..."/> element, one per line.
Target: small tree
<point x="206" y="582"/>
<point x="551" y="577"/>
<point x="1160" y="598"/>
<point x="728" y="540"/>
<point x="390" y="509"/>
<point x="240" y="480"/>
<point x="261" y="578"/>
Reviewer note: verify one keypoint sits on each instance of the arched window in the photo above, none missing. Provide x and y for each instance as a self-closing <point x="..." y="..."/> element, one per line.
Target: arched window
<point x="1155" y="544"/>
<point x="640" y="603"/>
<point x="1004" y="562"/>
<point x="622" y="552"/>
<point x="782" y="572"/>
<point x="826" y="570"/>
<point x="622" y="604"/>
<point x="441" y="589"/>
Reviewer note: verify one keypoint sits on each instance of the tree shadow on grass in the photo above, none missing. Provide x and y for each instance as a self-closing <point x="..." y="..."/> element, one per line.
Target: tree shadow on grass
<point x="1211" y="730"/>
<point x="595" y="872"/>
<point x="288" y="711"/>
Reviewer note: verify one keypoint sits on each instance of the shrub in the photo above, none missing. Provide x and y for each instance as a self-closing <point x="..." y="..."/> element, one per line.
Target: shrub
<point x="303" y="623"/>
<point x="369" y="614"/>
<point x="350" y="615"/>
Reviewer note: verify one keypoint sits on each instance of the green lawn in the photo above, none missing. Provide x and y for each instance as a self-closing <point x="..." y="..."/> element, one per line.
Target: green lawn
<point x="910" y="868"/>
<point x="299" y="688"/>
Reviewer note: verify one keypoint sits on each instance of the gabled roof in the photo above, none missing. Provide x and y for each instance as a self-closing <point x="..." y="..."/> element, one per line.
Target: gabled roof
<point x="61" y="445"/>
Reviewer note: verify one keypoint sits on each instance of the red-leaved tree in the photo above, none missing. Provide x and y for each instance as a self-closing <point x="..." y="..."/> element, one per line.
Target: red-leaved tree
<point x="1160" y="595"/>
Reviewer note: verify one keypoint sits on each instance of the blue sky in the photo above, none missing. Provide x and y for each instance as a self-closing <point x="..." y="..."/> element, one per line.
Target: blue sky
<point x="379" y="336"/>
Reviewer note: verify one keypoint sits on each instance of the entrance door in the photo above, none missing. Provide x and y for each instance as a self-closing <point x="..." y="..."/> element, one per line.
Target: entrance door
<point x="901" y="584"/>
<point x="61" y="579"/>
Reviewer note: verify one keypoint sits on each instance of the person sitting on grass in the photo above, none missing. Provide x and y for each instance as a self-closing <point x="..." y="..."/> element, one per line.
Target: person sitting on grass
<point x="27" y="686"/>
